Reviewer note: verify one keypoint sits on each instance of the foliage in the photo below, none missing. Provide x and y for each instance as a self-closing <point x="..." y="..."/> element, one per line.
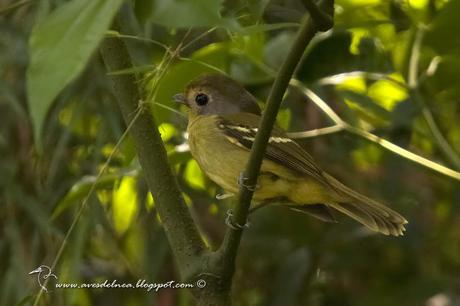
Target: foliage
<point x="386" y="68"/>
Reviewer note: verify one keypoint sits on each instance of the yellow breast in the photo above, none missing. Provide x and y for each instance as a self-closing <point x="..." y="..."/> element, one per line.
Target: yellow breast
<point x="219" y="159"/>
<point x="223" y="161"/>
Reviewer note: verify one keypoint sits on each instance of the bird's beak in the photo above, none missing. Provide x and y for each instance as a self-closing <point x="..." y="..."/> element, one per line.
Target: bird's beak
<point x="180" y="98"/>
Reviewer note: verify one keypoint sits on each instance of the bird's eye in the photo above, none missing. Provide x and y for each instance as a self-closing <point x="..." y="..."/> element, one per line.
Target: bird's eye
<point x="201" y="99"/>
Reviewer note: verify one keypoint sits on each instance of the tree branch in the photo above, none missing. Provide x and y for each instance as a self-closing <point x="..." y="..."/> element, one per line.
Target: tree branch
<point x="179" y="226"/>
<point x="226" y="255"/>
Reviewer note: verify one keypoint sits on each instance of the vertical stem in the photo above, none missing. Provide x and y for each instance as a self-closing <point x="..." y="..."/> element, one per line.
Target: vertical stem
<point x="180" y="229"/>
<point x="310" y="25"/>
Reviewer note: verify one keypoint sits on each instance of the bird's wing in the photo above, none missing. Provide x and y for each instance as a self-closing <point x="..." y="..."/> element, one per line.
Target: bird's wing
<point x="241" y="129"/>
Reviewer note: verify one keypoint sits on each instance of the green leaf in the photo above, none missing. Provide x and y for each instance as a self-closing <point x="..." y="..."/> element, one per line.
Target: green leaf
<point x="284" y="118"/>
<point x="366" y="103"/>
<point x="442" y="34"/>
<point x="124" y="204"/>
<point x="81" y="189"/>
<point x="198" y="13"/>
<point x="194" y="176"/>
<point x="60" y="46"/>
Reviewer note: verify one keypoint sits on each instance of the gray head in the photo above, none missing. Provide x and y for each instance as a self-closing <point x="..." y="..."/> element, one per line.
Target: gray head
<point x="217" y="94"/>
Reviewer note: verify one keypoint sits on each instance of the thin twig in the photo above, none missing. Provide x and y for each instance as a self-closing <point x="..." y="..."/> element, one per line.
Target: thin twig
<point x="342" y="125"/>
<point x="317" y="132"/>
<point x="339" y="78"/>
<point x="112" y="33"/>
<point x="403" y="152"/>
<point x="187" y="59"/>
<point x="198" y="38"/>
<point x="318" y="101"/>
<point x="414" y="85"/>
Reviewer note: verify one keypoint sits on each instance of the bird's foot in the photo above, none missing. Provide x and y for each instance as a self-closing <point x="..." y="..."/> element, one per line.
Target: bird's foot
<point x="232" y="224"/>
<point x="241" y="182"/>
<point x="223" y="196"/>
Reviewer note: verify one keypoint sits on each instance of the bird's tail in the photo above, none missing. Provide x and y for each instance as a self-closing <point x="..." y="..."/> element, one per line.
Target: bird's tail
<point x="370" y="213"/>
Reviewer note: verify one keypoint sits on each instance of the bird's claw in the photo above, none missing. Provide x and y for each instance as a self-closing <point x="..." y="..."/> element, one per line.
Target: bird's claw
<point x="241" y="182"/>
<point x="233" y="225"/>
<point x="223" y="196"/>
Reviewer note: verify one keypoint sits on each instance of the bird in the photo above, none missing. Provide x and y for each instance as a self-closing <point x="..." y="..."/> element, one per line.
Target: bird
<point x="223" y="120"/>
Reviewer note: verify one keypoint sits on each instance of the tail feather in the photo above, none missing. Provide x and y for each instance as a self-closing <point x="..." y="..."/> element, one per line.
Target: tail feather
<point x="370" y="213"/>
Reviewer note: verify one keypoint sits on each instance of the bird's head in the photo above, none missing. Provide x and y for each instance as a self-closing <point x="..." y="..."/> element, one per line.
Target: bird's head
<point x="217" y="94"/>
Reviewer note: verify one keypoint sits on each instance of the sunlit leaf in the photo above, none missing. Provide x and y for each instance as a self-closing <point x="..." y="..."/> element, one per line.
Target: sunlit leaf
<point x="356" y="84"/>
<point x="387" y="93"/>
<point x="194" y="176"/>
<point x="80" y="189"/>
<point x="357" y="35"/>
<point x="149" y="201"/>
<point x="60" y="46"/>
<point x="365" y="102"/>
<point x="124" y="204"/>
<point x="379" y="98"/>
<point x="418" y="4"/>
<point x="284" y="118"/>
<point x="167" y="131"/>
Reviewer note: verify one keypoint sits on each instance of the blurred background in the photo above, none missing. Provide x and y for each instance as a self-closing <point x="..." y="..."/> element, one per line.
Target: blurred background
<point x="388" y="67"/>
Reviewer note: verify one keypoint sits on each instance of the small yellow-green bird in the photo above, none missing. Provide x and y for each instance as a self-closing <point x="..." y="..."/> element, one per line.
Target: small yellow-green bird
<point x="223" y="122"/>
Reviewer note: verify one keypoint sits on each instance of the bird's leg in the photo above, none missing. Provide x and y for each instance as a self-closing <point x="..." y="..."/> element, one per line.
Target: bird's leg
<point x="241" y="182"/>
<point x="233" y="225"/>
